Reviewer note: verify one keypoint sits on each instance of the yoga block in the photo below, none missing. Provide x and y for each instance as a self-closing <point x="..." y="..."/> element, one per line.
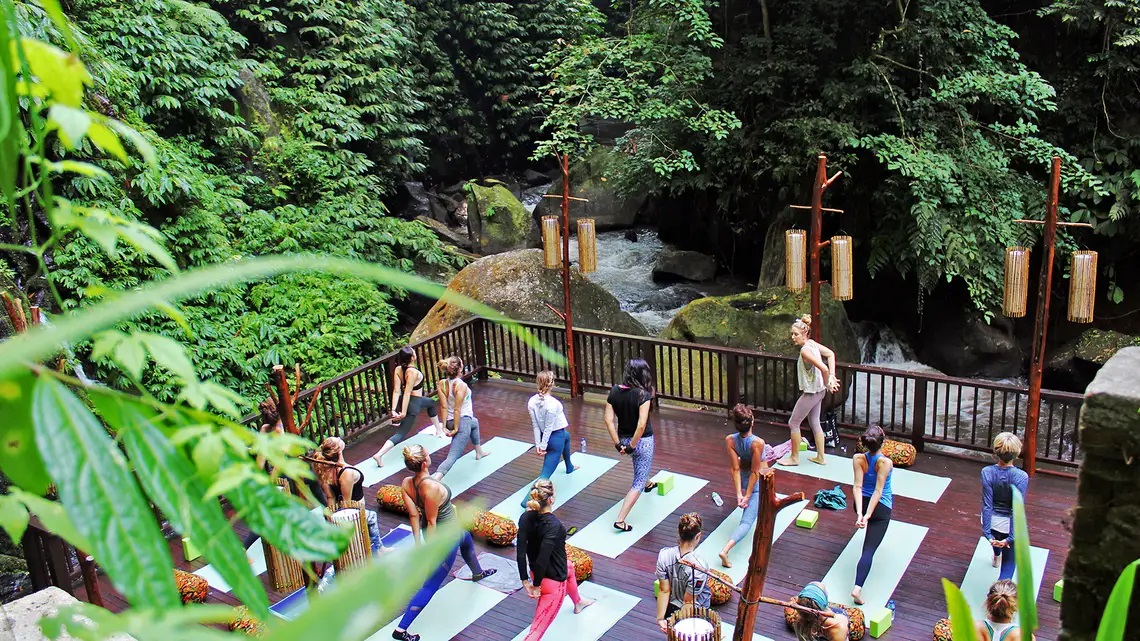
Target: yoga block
<point x="1057" y="587"/>
<point x="189" y="550"/>
<point x="803" y="445"/>
<point x="879" y="622"/>
<point x="656" y="587"/>
<point x="807" y="518"/>
<point x="665" y="483"/>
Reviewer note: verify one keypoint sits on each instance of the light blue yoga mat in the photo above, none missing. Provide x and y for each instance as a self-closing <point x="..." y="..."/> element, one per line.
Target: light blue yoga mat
<point x="981" y="575"/>
<point x="710" y="548"/>
<point x="456" y="606"/>
<point x="914" y="485"/>
<point x="394" y="458"/>
<point x="590" y="469"/>
<point x="593" y="622"/>
<point x="467" y="471"/>
<point x="891" y="560"/>
<point x="727" y="630"/>
<point x="600" y="536"/>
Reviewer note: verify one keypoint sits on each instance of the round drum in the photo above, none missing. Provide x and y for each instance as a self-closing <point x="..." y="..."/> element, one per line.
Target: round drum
<point x="347" y="515"/>
<point x="693" y="629"/>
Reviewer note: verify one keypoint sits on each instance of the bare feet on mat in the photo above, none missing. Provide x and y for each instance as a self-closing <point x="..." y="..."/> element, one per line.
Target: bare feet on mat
<point x="818" y="460"/>
<point x="857" y="595"/>
<point x="576" y="468"/>
<point x="479" y="455"/>
<point x="582" y="605"/>
<point x="379" y="462"/>
<point x="997" y="560"/>
<point x="724" y="560"/>
<point x="788" y="462"/>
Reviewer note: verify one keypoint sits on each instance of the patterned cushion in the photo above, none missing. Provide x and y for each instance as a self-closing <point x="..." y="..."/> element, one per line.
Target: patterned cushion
<point x="191" y="587"/>
<point x="901" y="454"/>
<point x="583" y="564"/>
<point x="856" y="627"/>
<point x="721" y="593"/>
<point x="942" y="631"/>
<point x="391" y="498"/>
<point x="246" y="624"/>
<point x="495" y="529"/>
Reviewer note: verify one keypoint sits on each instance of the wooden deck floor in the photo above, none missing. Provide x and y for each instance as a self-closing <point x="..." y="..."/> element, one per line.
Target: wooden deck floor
<point x="688" y="441"/>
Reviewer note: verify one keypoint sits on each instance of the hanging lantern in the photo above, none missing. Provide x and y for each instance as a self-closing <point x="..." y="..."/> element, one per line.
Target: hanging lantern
<point x="551" y="243"/>
<point x="587" y="246"/>
<point x="842" y="270"/>
<point x="1082" y="286"/>
<point x="795" y="260"/>
<point x="1016" y="282"/>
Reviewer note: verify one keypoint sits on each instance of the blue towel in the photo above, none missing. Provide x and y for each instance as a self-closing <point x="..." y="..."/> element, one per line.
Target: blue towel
<point x="831" y="499"/>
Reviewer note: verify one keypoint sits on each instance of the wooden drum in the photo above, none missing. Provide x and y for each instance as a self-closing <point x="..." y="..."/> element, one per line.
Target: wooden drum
<point x="359" y="551"/>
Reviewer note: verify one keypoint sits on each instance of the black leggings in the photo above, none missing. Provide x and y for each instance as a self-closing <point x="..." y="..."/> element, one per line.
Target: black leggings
<point x="416" y="404"/>
<point x="876" y="530"/>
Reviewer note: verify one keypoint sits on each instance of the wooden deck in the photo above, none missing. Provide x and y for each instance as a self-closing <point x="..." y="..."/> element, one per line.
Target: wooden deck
<point x="689" y="442"/>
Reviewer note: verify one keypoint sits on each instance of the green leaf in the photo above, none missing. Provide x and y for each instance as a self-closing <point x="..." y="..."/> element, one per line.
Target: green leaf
<point x="54" y="518"/>
<point x="55" y="12"/>
<point x="70" y="122"/>
<point x="92" y="623"/>
<point x="139" y="237"/>
<point x="131" y="356"/>
<point x="140" y="143"/>
<point x="62" y="73"/>
<point x="19" y="456"/>
<point x="168" y="353"/>
<point x="961" y="620"/>
<point x="13" y="517"/>
<point x="1115" y="617"/>
<point x="1027" y="608"/>
<point x="101" y="497"/>
<point x="107" y="140"/>
<point x="171" y="482"/>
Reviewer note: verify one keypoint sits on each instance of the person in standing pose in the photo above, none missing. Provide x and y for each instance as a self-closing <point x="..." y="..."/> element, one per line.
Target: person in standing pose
<point x="628" y="403"/>
<point x="678" y="583"/>
<point x="816" y="377"/>
<point x="873" y="501"/>
<point x="408" y="401"/>
<point x="542" y="544"/>
<point x="429" y="505"/>
<point x="551" y="433"/>
<point x="747" y="456"/>
<point x="998" y="482"/>
<point x="1001" y="607"/>
<point x="455" y="405"/>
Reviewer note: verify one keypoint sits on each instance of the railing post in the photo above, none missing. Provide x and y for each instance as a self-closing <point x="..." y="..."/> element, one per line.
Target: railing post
<point x="650" y="356"/>
<point x="480" y="338"/>
<point x="732" y="363"/>
<point x="90" y="578"/>
<point x="918" y="429"/>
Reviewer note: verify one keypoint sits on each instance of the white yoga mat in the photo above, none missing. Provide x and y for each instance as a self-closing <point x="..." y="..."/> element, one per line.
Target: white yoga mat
<point x="394" y="458"/>
<point x="256" y="555"/>
<point x="590" y="469"/>
<point x="600" y="536"/>
<point x="891" y="560"/>
<point x="710" y="548"/>
<point x="981" y="575"/>
<point x="914" y="485"/>
<point x="727" y="630"/>
<point x="467" y="471"/>
<point x="591" y="623"/>
<point x="456" y="606"/>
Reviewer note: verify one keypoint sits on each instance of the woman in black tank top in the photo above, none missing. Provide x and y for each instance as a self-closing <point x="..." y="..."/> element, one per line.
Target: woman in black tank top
<point x="408" y="401"/>
<point x="342" y="482"/>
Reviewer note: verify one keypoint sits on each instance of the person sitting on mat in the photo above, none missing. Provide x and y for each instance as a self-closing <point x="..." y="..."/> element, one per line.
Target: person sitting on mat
<point x="815" y="378"/>
<point x="1001" y="609"/>
<point x="342" y="482"/>
<point x="542" y="543"/>
<point x="810" y="626"/>
<point x="429" y="505"/>
<point x="455" y="405"/>
<point x="551" y="432"/>
<point x="873" y="501"/>
<point x="408" y="401"/>
<point x="746" y="460"/>
<point x="633" y="434"/>
<point x="998" y="482"/>
<point x="678" y="583"/>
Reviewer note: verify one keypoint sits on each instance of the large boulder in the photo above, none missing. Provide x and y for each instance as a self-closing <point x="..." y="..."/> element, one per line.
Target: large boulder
<point x="255" y="104"/>
<point x="592" y="179"/>
<point x="517" y="285"/>
<point x="962" y="343"/>
<point x="676" y="264"/>
<point x="1074" y="366"/>
<point x="772" y="261"/>
<point x="446" y="233"/>
<point x="759" y="321"/>
<point x="496" y="220"/>
<point x="412" y="199"/>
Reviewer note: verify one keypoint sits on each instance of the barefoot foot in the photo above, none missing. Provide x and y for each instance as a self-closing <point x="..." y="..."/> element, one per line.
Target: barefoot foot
<point x="818" y="460"/>
<point x="583" y="604"/>
<point x="724" y="560"/>
<point x="857" y="596"/>
<point x="997" y="560"/>
<point x="379" y="462"/>
<point x="484" y="453"/>
<point x="789" y="462"/>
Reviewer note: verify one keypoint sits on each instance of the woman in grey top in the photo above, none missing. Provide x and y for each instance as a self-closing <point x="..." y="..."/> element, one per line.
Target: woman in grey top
<point x="816" y="378"/>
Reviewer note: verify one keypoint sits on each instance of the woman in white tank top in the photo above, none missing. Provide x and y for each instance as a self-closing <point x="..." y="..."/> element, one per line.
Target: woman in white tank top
<point x="455" y="398"/>
<point x="1001" y="611"/>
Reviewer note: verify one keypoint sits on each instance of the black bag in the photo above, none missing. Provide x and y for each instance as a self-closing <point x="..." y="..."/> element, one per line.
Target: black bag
<point x="830" y="426"/>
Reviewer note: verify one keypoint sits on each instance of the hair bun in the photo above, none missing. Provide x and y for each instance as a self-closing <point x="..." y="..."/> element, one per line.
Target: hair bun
<point x="806" y="319"/>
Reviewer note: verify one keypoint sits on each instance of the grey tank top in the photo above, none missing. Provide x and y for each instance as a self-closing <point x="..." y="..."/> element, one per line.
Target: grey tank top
<point x="446" y="511"/>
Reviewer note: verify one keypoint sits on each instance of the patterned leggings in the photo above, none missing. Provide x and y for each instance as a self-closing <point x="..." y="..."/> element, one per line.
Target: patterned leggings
<point x="642" y="461"/>
<point x="551" y="601"/>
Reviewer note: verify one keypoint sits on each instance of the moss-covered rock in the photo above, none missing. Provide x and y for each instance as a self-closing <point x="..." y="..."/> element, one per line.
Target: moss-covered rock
<point x="592" y="178"/>
<point x="516" y="284"/>
<point x="1073" y="366"/>
<point x="498" y="222"/>
<point x="759" y="321"/>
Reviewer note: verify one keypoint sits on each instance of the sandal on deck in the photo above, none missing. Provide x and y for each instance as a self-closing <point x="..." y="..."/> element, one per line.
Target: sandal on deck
<point x="572" y="531"/>
<point x="623" y="527"/>
<point x="484" y="574"/>
<point x="649" y="487"/>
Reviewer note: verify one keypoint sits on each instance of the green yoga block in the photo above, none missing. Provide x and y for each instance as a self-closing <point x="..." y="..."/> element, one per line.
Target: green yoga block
<point x="803" y="445"/>
<point x="807" y="518"/>
<point x="656" y="588"/>
<point x="189" y="550"/>
<point x="1057" y="587"/>
<point x="879" y="622"/>
<point x="665" y="482"/>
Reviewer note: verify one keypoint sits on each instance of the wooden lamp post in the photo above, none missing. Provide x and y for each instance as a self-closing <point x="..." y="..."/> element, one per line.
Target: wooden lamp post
<point x="841" y="271"/>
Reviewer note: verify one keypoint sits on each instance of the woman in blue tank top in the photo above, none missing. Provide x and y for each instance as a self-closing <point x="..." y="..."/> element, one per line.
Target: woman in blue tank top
<point x="746" y="460"/>
<point x="873" y="501"/>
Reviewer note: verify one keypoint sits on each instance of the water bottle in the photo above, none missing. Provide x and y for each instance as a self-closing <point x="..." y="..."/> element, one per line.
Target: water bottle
<point x="891" y="607"/>
<point x="583" y="444"/>
<point x="716" y="499"/>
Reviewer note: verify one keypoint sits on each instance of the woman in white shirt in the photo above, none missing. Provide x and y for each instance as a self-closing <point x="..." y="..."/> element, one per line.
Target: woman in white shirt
<point x="815" y="372"/>
<point x="548" y="419"/>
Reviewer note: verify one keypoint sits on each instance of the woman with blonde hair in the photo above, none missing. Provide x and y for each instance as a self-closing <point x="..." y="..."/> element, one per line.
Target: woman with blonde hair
<point x="542" y="545"/>
<point x="998" y="482"/>
<point x="816" y="377"/>
<point x="809" y="626"/>
<point x="455" y="406"/>
<point x="343" y="482"/>
<point x="408" y="401"/>
<point x="1001" y="608"/>
<point x="429" y="505"/>
<point x="551" y="429"/>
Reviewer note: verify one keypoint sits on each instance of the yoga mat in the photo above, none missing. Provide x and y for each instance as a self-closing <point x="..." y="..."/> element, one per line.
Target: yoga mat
<point x="726" y="631"/>
<point x="467" y="471"/>
<point x="399" y="536"/>
<point x="590" y="469"/>
<point x="981" y="575"/>
<point x="506" y="580"/>
<point x="394" y="459"/>
<point x="593" y="622"/>
<point x="914" y="485"/>
<point x="456" y="606"/>
<point x="600" y="536"/>
<point x="710" y="548"/>
<point x="890" y="562"/>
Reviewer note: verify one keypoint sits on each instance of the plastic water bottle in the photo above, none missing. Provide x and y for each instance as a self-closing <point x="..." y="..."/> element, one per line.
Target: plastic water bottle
<point x="891" y="607"/>
<point x="583" y="444"/>
<point x="716" y="499"/>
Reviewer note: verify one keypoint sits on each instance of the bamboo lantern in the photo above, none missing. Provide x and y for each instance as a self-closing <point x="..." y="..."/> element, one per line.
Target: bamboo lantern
<point x="1082" y="287"/>
<point x="693" y="623"/>
<point x="587" y="246"/>
<point x="551" y="243"/>
<point x="842" y="268"/>
<point x="1016" y="293"/>
<point x="795" y="260"/>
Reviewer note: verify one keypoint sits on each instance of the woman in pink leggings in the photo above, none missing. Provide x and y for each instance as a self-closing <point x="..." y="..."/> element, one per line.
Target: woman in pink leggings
<point x="815" y="378"/>
<point x="542" y="543"/>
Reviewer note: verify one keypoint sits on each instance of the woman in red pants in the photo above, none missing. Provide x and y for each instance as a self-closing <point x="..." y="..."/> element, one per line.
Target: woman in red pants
<point x="542" y="543"/>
